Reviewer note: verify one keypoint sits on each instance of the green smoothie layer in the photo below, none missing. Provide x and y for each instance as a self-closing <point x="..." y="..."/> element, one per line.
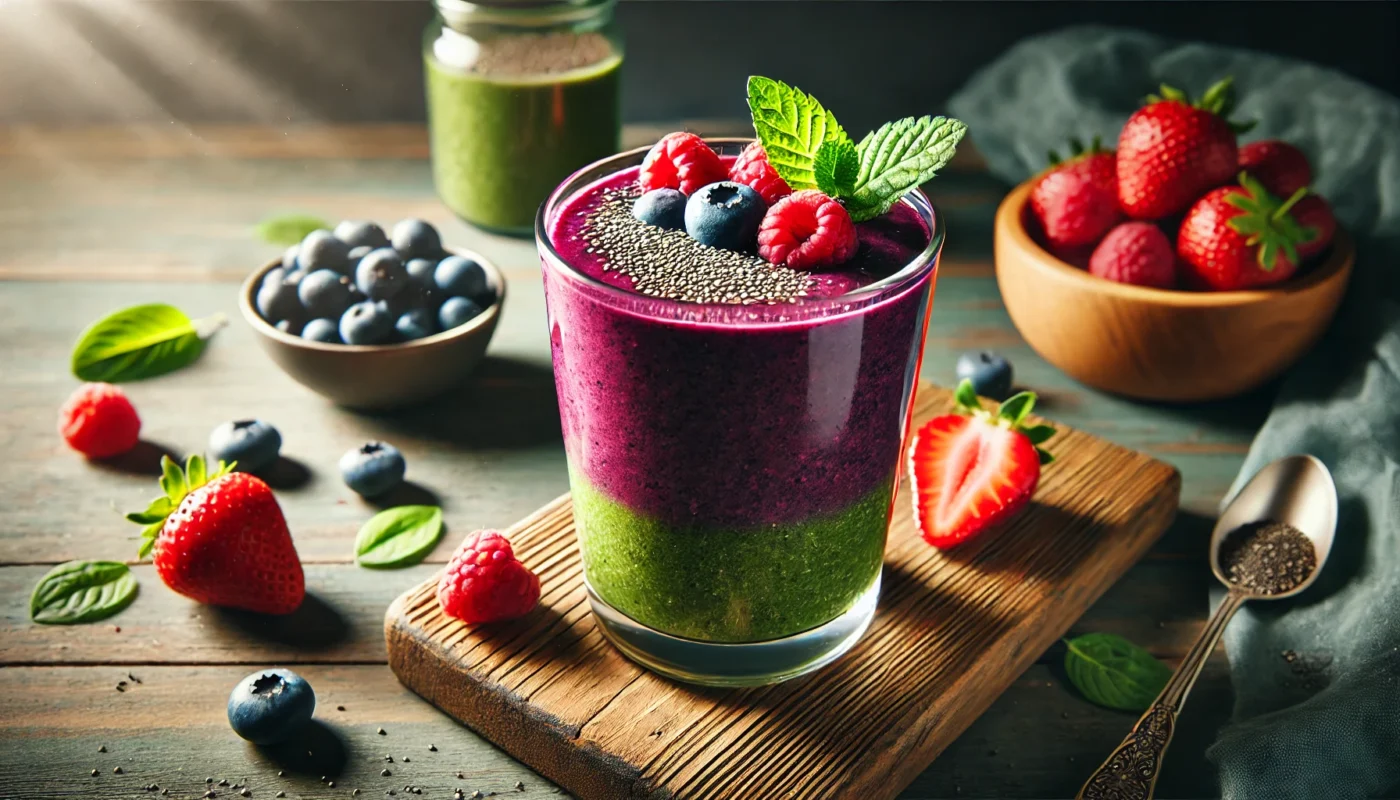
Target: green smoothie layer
<point x="730" y="585"/>
<point x="508" y="129"/>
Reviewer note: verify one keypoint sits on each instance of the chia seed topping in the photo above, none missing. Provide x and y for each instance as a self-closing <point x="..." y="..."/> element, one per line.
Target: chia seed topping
<point x="671" y="265"/>
<point x="1267" y="557"/>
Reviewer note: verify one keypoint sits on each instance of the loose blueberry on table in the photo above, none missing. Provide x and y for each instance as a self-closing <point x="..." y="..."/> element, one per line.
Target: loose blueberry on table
<point x="250" y="445"/>
<point x="989" y="373"/>
<point x="271" y="706"/>
<point x="373" y="468"/>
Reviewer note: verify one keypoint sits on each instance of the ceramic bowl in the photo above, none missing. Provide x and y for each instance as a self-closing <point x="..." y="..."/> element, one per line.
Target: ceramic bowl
<point x="379" y="376"/>
<point x="1155" y="344"/>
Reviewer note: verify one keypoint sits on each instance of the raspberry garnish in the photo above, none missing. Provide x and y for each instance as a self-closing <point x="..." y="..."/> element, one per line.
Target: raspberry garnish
<point x="806" y="230"/>
<point x="680" y="161"/>
<point x="99" y="421"/>
<point x="484" y="582"/>
<point x="752" y="169"/>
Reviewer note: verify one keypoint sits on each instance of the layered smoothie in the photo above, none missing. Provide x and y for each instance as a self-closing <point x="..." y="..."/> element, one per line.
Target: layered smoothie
<point x="509" y="117"/>
<point x="733" y="428"/>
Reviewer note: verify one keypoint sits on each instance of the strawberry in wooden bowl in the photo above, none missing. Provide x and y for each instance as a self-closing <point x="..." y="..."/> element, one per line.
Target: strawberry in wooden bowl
<point x="1210" y="270"/>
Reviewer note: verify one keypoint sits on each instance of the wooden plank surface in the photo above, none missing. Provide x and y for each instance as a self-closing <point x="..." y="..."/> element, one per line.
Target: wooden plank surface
<point x="952" y="631"/>
<point x="90" y="222"/>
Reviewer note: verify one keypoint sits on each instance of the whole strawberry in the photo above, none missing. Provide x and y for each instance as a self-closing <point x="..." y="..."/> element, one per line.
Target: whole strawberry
<point x="1076" y="201"/>
<point x="1315" y="215"/>
<point x="975" y="469"/>
<point x="1241" y="237"/>
<point x="1172" y="151"/>
<point x="484" y="582"/>
<point x="221" y="539"/>
<point x="1281" y="167"/>
<point x="1137" y="253"/>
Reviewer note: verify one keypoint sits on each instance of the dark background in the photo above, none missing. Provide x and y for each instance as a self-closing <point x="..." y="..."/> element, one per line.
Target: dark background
<point x="307" y="61"/>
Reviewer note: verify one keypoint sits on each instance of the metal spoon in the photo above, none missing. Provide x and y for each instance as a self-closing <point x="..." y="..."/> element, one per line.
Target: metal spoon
<point x="1296" y="490"/>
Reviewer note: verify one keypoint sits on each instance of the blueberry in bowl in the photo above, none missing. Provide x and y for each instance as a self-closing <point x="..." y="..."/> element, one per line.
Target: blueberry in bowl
<point x="366" y="328"/>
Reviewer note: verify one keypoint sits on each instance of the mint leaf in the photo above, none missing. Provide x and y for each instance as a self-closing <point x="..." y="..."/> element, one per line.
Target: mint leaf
<point x="836" y="166"/>
<point x="791" y="126"/>
<point x="140" y="342"/>
<point x="899" y="157"/>
<point x="82" y="591"/>
<point x="398" y="537"/>
<point x="1113" y="672"/>
<point x="289" y="229"/>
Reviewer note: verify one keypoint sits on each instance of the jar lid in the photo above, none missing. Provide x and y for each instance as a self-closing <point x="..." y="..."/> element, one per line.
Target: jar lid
<point x="459" y="13"/>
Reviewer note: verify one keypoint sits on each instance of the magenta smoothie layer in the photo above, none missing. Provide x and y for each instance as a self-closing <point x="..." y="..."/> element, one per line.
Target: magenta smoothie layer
<point x="772" y="414"/>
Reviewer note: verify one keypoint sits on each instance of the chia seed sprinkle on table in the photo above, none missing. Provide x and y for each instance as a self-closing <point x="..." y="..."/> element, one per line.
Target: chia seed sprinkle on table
<point x="1267" y="557"/>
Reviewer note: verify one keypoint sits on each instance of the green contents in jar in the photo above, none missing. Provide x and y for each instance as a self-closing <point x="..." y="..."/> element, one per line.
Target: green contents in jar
<point x="513" y="115"/>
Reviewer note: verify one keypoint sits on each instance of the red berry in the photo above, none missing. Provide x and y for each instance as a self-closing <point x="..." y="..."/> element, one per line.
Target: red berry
<point x="99" y="421"/>
<point x="1171" y="152"/>
<point x="1137" y="253"/>
<point x="680" y="161"/>
<point x="752" y="169"/>
<point x="1313" y="212"/>
<point x="1281" y="167"/>
<point x="806" y="230"/>
<point x="485" y="583"/>
<point x="1076" y="202"/>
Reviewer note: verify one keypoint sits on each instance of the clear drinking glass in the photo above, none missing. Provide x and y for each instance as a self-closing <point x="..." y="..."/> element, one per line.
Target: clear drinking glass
<point x="733" y="467"/>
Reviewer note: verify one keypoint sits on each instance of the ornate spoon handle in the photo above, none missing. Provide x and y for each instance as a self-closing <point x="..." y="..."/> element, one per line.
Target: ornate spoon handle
<point x="1131" y="771"/>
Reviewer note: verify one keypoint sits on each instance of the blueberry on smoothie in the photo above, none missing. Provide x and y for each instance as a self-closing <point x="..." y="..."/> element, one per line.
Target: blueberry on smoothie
<point x="664" y="208"/>
<point x="414" y="238"/>
<point x="270" y="706"/>
<point x="373" y="468"/>
<point x="726" y="215"/>
<point x="361" y="233"/>
<point x="325" y="293"/>
<point x="990" y="373"/>
<point x="457" y="311"/>
<point x="254" y="444"/>
<point x="416" y="323"/>
<point x="459" y="276"/>
<point x="366" y="322"/>
<point x="322" y="330"/>
<point x="381" y="274"/>
<point x="278" y="300"/>
<point x="321" y="250"/>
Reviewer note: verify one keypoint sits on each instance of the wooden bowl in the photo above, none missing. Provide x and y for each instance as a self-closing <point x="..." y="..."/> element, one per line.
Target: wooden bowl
<point x="1155" y="344"/>
<point x="379" y="376"/>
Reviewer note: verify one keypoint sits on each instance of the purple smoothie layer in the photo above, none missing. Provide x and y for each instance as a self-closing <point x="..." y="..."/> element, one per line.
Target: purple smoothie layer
<point x="775" y="414"/>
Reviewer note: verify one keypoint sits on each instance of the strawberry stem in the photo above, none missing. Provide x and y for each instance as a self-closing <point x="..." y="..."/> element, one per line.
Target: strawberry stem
<point x="1011" y="413"/>
<point x="1266" y="223"/>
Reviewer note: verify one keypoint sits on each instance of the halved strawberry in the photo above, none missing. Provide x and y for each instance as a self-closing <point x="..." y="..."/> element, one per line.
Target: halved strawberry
<point x="975" y="469"/>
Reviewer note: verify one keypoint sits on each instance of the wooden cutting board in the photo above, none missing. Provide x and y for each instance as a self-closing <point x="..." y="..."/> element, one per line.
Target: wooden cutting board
<point x="953" y="630"/>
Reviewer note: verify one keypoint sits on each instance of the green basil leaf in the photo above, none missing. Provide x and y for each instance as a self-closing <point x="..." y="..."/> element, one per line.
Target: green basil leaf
<point x="1113" y="672"/>
<point x="82" y="591"/>
<point x="140" y="342"/>
<point x="289" y="229"/>
<point x="398" y="537"/>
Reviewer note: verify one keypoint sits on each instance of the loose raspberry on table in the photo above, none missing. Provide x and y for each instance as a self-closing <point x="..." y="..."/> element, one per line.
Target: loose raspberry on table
<point x="752" y="169"/>
<point x="484" y="582"/>
<point x="99" y="421"/>
<point x="806" y="230"/>
<point x="680" y="161"/>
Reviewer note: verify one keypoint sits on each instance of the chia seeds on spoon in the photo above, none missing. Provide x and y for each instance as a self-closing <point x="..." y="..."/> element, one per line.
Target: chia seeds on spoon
<point x="671" y="265"/>
<point x="1267" y="557"/>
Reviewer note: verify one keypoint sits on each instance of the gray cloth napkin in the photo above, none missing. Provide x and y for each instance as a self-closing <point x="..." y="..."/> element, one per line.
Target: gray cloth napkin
<point x="1317" y="678"/>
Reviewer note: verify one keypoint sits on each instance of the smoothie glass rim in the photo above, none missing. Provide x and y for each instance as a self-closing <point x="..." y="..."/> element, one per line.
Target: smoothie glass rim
<point x="807" y="310"/>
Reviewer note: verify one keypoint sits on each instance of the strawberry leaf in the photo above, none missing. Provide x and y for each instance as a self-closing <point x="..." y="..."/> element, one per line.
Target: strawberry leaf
<point x="898" y="158"/>
<point x="1038" y="433"/>
<point x="172" y="479"/>
<point x="1015" y="409"/>
<point x="175" y="483"/>
<point x="195" y="474"/>
<point x="966" y="398"/>
<point x="792" y="126"/>
<point x="1266" y="223"/>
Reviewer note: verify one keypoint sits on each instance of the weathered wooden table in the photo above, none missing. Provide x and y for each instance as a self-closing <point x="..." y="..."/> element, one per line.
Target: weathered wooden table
<point x="95" y="220"/>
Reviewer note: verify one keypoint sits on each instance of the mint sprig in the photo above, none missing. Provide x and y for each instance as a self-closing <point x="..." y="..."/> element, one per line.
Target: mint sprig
<point x="809" y="149"/>
<point x="792" y="126"/>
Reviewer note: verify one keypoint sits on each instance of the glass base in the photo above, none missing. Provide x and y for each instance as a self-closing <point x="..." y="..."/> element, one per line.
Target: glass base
<point x="742" y="664"/>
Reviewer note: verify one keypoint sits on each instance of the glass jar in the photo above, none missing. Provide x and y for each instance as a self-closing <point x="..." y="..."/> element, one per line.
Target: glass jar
<point x="520" y="95"/>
